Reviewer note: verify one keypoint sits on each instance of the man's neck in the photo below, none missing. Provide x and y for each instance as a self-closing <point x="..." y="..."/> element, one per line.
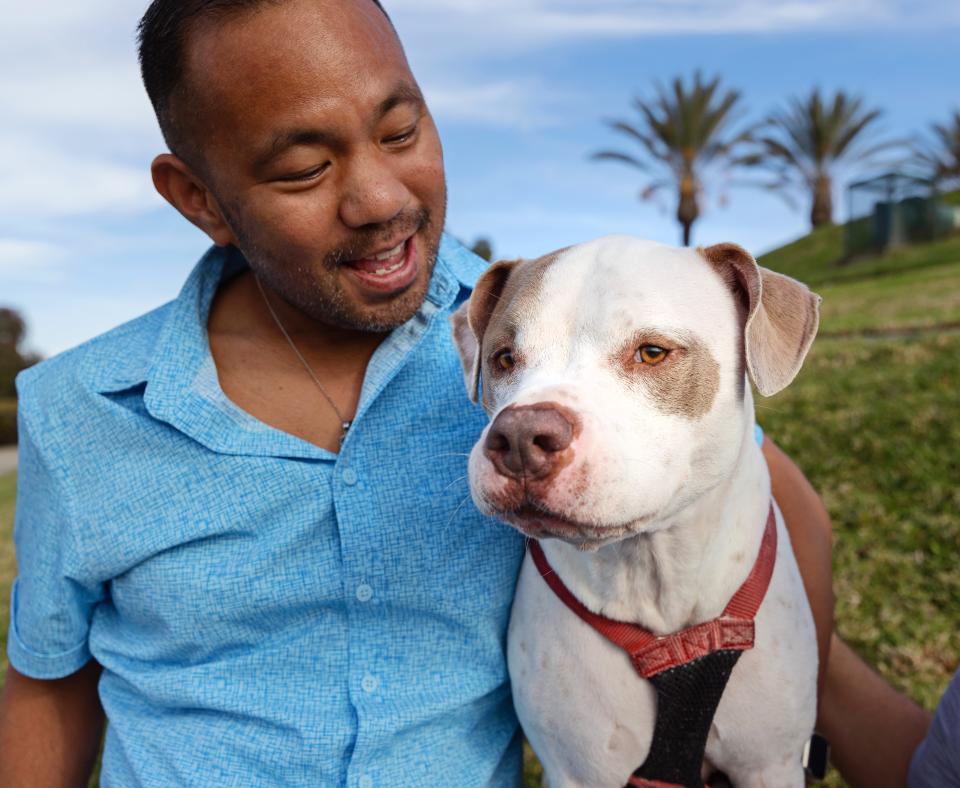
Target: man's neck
<point x="261" y="374"/>
<point x="239" y="309"/>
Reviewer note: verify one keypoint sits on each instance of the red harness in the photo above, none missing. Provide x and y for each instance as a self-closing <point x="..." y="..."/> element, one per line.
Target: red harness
<point x="652" y="655"/>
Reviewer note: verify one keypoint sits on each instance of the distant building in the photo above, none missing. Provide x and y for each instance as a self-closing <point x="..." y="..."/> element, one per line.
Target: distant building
<point x="895" y="209"/>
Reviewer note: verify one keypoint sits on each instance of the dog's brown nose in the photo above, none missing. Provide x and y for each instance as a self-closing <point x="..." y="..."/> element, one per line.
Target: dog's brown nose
<point x="527" y="441"/>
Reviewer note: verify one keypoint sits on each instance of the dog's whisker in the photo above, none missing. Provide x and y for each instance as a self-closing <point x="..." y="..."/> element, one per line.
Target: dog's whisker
<point x="461" y="479"/>
<point x="457" y="510"/>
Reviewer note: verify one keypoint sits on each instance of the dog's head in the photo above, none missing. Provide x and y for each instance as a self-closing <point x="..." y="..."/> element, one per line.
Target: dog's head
<point x="615" y="376"/>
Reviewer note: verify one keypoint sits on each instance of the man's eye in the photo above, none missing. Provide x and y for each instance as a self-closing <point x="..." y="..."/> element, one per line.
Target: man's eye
<point x="399" y="139"/>
<point x="306" y="175"/>
<point x="650" y="354"/>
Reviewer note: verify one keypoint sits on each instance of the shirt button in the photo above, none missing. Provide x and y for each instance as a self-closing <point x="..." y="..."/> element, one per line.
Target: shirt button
<point x="350" y="477"/>
<point x="364" y="592"/>
<point x="366" y="782"/>
<point x="370" y="684"/>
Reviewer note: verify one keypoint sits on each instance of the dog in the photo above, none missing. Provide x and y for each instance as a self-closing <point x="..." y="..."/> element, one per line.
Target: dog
<point x="616" y="374"/>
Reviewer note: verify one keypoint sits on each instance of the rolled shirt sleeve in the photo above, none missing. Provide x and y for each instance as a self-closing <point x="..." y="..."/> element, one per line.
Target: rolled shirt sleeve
<point x="50" y="611"/>
<point x="936" y="763"/>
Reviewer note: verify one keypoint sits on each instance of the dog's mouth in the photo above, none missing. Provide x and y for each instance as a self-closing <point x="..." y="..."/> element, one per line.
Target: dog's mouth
<point x="539" y="522"/>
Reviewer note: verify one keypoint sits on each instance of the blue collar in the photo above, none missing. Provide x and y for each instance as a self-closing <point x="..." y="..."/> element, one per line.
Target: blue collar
<point x="182" y="388"/>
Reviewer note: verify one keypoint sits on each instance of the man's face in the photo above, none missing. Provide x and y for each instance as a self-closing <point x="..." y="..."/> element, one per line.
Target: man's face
<point x="321" y="153"/>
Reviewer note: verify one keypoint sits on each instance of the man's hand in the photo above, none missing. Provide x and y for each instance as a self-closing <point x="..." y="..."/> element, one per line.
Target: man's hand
<point x="50" y="730"/>
<point x="873" y="729"/>
<point x="811" y="534"/>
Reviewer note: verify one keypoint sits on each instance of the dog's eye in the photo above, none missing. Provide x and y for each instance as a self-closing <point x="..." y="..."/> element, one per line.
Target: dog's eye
<point x="504" y="360"/>
<point x="650" y="354"/>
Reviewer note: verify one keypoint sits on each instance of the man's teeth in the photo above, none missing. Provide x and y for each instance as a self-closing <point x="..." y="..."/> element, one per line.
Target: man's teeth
<point x="389" y="269"/>
<point x="387" y="255"/>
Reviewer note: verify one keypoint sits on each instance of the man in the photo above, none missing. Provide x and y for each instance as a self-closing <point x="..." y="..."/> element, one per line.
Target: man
<point x="242" y="527"/>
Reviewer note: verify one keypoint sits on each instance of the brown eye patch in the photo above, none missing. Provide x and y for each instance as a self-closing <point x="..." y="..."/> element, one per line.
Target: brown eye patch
<point x="687" y="386"/>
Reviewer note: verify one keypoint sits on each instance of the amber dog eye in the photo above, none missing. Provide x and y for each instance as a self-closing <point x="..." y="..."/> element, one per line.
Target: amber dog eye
<point x="651" y="354"/>
<point x="504" y="360"/>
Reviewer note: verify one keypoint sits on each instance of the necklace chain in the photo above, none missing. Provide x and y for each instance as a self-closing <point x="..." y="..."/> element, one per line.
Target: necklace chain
<point x="344" y="423"/>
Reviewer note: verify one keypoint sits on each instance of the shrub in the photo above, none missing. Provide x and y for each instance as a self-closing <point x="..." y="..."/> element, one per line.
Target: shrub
<point x="8" y="421"/>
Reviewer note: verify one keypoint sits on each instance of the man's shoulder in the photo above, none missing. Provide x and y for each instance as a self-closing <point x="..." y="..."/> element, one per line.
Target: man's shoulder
<point x="114" y="361"/>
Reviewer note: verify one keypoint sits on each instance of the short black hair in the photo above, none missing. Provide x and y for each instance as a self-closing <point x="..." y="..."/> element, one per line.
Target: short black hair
<point x="162" y="34"/>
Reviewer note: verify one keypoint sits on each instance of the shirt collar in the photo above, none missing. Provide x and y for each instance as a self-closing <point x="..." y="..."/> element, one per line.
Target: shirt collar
<point x="182" y="388"/>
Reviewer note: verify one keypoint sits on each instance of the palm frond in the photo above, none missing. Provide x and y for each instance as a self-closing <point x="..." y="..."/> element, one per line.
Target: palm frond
<point x="683" y="127"/>
<point x="812" y="134"/>
<point x="623" y="158"/>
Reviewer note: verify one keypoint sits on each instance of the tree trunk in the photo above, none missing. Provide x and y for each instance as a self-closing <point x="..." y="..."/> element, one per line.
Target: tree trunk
<point x="687" y="209"/>
<point x="822" y="212"/>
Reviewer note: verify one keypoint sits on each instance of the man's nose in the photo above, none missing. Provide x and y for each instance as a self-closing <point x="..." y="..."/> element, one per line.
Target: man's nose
<point x="528" y="441"/>
<point x="372" y="193"/>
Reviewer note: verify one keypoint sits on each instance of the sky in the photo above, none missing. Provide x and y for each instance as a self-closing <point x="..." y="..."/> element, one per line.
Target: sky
<point x="520" y="90"/>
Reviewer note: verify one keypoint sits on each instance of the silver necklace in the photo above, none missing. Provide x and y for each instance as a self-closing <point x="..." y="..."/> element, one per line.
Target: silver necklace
<point x="344" y="424"/>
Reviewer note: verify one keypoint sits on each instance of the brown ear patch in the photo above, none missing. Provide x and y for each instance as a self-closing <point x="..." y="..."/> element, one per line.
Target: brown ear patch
<point x="782" y="331"/>
<point x="782" y="316"/>
<point x="465" y="343"/>
<point x="475" y="315"/>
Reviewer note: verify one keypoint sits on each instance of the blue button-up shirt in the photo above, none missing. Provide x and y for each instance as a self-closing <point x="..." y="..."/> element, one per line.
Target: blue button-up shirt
<point x="266" y="612"/>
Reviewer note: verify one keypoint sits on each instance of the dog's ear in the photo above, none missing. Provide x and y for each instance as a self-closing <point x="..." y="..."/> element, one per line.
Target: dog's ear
<point x="782" y="316"/>
<point x="470" y="321"/>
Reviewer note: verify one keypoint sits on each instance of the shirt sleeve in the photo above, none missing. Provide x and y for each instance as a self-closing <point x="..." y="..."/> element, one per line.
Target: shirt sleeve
<point x="49" y="611"/>
<point x="936" y="763"/>
<point x="758" y="434"/>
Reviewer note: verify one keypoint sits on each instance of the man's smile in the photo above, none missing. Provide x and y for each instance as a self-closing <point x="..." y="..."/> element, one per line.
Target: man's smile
<point x="389" y="272"/>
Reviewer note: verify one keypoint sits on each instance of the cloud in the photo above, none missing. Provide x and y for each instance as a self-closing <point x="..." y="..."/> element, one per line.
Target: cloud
<point x="505" y="24"/>
<point x="35" y="262"/>
<point x="39" y="179"/>
<point x="520" y="104"/>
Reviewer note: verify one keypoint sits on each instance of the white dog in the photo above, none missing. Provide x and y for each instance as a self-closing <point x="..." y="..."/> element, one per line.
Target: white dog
<point x="622" y="438"/>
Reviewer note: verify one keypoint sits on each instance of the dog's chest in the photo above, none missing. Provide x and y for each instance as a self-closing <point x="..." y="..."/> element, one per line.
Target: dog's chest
<point x="590" y="717"/>
<point x="586" y="712"/>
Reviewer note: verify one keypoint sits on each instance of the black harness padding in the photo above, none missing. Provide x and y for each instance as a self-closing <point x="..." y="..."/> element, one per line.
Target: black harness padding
<point x="687" y="700"/>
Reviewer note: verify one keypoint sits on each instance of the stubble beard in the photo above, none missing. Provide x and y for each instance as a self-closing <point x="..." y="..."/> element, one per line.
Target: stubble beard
<point x="320" y="296"/>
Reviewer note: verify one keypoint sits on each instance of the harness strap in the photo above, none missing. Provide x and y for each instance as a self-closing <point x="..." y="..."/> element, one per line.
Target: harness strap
<point x="689" y="669"/>
<point x="652" y="654"/>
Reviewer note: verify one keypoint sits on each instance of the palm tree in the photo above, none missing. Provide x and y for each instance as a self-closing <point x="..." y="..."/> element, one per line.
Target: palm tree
<point x="941" y="155"/>
<point x="682" y="131"/>
<point x="803" y="145"/>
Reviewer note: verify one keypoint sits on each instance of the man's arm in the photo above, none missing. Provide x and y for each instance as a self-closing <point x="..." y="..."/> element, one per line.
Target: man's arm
<point x="50" y="730"/>
<point x="811" y="534"/>
<point x="873" y="729"/>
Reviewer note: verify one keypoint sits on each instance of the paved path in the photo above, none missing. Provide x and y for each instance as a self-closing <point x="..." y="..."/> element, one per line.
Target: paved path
<point x="8" y="459"/>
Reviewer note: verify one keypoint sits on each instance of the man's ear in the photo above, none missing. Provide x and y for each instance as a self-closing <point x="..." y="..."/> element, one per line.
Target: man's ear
<point x="180" y="186"/>
<point x="782" y="316"/>
<point x="470" y="321"/>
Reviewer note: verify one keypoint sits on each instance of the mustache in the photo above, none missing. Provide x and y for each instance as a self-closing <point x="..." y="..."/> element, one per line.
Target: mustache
<point x="367" y="241"/>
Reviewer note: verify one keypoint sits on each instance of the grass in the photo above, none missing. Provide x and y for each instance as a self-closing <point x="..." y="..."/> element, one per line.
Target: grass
<point x="817" y="259"/>
<point x="875" y="422"/>
<point x="920" y="298"/>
